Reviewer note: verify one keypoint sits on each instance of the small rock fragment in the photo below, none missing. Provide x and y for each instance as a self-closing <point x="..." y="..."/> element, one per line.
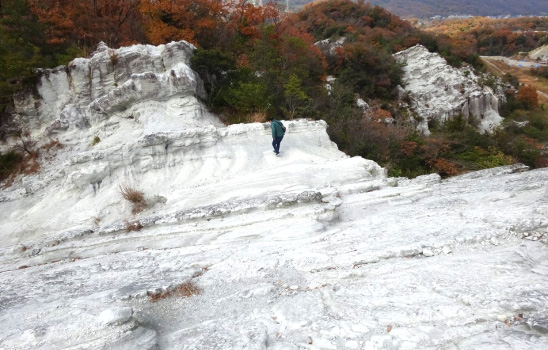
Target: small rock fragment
<point x="502" y="318"/>
<point x="116" y="316"/>
<point x="427" y="252"/>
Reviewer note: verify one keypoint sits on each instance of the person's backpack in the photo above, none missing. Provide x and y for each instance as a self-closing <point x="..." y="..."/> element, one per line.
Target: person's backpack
<point x="283" y="127"/>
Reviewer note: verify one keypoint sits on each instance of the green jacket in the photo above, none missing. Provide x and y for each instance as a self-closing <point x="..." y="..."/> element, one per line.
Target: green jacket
<point x="277" y="130"/>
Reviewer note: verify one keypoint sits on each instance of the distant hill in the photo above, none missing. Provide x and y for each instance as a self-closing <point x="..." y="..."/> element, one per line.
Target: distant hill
<point x="429" y="8"/>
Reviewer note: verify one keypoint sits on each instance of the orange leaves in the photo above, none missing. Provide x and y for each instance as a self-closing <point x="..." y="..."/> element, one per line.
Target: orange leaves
<point x="248" y="18"/>
<point x="197" y="21"/>
<point x="381" y="114"/>
<point x="88" y="22"/>
<point x="366" y="20"/>
<point x="433" y="152"/>
<point x="528" y="96"/>
<point x="493" y="36"/>
<point x="340" y="57"/>
<point x="243" y="61"/>
<point x="57" y="18"/>
<point x="160" y="33"/>
<point x="166" y="21"/>
<point x="297" y="49"/>
<point x="408" y="148"/>
<point x="446" y="167"/>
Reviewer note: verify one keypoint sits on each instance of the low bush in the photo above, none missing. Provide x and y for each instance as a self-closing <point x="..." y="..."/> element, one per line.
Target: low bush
<point x="52" y="145"/>
<point x="14" y="163"/>
<point x="136" y="197"/>
<point x="186" y="289"/>
<point x="523" y="136"/>
<point x="133" y="226"/>
<point x="9" y="163"/>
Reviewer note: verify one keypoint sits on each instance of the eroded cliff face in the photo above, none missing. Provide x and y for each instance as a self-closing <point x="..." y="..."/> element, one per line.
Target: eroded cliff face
<point x="89" y="91"/>
<point x="540" y="53"/>
<point x="133" y="117"/>
<point x="439" y="92"/>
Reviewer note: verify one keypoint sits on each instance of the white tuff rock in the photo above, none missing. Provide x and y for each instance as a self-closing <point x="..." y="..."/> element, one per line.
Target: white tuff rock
<point x="540" y="53"/>
<point x="240" y="249"/>
<point x="439" y="91"/>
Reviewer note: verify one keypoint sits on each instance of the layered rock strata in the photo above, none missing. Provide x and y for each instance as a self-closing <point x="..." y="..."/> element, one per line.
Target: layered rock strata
<point x="439" y="92"/>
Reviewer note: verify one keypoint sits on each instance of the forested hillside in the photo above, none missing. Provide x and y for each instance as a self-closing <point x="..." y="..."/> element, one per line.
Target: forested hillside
<point x="261" y="61"/>
<point x="429" y="8"/>
<point x="486" y="36"/>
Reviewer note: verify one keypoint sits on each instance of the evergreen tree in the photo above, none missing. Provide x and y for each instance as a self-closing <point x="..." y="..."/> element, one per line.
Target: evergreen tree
<point x="20" y="49"/>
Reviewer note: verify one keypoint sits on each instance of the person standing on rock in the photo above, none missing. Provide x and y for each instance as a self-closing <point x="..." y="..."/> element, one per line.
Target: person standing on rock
<point x="278" y="132"/>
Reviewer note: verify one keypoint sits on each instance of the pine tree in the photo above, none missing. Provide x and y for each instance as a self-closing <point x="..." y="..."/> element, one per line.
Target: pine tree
<point x="20" y="49"/>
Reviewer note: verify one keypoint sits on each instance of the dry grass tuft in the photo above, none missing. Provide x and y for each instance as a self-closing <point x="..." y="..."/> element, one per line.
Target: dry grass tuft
<point x="26" y="164"/>
<point x="131" y="194"/>
<point x="31" y="164"/>
<point x="133" y="226"/>
<point x="138" y="207"/>
<point x="258" y="117"/>
<point x="136" y="197"/>
<point x="186" y="289"/>
<point x="114" y="59"/>
<point x="53" y="144"/>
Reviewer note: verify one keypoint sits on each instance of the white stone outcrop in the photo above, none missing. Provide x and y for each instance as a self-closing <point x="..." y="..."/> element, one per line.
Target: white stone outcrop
<point x="237" y="248"/>
<point x="124" y="81"/>
<point x="439" y="91"/>
<point x="136" y="120"/>
<point x="540" y="53"/>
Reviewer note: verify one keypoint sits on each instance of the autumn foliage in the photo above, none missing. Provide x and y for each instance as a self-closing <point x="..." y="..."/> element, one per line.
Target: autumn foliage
<point x="196" y="21"/>
<point x="527" y="95"/>
<point x="84" y="23"/>
<point x="487" y="36"/>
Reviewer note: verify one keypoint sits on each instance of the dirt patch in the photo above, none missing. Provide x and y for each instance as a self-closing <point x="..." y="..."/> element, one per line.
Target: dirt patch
<point x="523" y="74"/>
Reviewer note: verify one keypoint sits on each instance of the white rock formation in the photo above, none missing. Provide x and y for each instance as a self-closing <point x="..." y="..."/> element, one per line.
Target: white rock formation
<point x="540" y="53"/>
<point x="240" y="249"/>
<point x="329" y="46"/>
<point x="439" y="91"/>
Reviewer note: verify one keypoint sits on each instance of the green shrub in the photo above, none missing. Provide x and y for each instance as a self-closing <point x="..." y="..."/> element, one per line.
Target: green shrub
<point x="455" y="124"/>
<point x="9" y="163"/>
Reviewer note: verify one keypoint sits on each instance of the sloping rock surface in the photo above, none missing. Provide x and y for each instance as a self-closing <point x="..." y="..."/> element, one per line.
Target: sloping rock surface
<point x="540" y="53"/>
<point x="240" y="249"/>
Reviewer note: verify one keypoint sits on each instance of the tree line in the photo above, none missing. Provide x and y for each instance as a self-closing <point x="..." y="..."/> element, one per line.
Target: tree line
<point x="494" y="37"/>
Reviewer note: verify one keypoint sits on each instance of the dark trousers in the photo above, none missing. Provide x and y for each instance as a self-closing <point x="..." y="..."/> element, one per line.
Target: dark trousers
<point x="276" y="144"/>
